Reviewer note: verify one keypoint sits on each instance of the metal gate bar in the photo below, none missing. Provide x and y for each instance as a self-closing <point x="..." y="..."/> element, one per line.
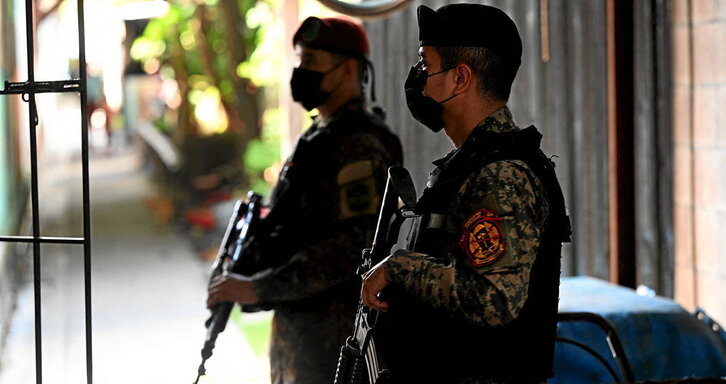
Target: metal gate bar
<point x="28" y="90"/>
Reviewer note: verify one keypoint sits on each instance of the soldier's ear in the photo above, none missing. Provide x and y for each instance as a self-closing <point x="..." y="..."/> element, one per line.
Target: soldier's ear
<point x="463" y="78"/>
<point x="351" y="68"/>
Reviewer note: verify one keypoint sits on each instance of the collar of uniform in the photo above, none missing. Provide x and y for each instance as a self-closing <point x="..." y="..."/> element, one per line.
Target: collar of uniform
<point x="441" y="161"/>
<point x="500" y="121"/>
<point x="356" y="103"/>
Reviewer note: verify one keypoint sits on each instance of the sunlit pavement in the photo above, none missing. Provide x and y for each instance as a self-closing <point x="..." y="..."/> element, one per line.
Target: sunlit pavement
<point x="148" y="291"/>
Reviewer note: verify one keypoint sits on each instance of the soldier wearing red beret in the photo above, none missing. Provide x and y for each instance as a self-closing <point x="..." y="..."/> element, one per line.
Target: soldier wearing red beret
<point x="326" y="200"/>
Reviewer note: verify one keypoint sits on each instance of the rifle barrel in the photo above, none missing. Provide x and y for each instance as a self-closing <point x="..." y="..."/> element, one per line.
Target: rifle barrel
<point x="226" y="258"/>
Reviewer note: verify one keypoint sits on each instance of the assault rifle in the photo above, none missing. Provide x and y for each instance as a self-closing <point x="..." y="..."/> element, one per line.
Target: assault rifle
<point x="240" y="229"/>
<point x="359" y="362"/>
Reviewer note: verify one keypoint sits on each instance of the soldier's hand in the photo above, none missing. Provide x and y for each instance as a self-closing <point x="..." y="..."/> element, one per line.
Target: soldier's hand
<point x="373" y="283"/>
<point x="231" y="287"/>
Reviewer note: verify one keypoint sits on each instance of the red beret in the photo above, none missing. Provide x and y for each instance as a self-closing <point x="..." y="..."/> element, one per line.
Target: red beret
<point x="334" y="35"/>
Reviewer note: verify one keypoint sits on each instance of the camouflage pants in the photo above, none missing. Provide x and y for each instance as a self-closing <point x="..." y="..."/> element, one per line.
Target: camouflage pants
<point x="305" y="346"/>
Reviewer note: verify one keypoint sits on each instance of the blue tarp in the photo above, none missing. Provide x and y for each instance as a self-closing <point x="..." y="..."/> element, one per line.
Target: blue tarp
<point x="662" y="341"/>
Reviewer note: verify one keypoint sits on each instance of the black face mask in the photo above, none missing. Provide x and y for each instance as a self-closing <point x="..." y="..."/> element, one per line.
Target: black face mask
<point x="305" y="87"/>
<point x="424" y="109"/>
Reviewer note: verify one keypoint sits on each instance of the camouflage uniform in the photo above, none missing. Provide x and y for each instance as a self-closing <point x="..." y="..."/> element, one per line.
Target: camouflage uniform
<point x="322" y="215"/>
<point x="484" y="215"/>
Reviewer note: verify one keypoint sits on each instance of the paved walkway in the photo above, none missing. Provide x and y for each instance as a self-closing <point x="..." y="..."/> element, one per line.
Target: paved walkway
<point x="148" y="292"/>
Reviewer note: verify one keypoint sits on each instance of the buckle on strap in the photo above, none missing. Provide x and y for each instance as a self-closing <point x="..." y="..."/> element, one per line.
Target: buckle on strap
<point x="436" y="221"/>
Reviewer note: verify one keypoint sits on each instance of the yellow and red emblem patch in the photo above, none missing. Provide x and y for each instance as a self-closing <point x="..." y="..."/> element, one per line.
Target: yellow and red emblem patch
<point x="482" y="239"/>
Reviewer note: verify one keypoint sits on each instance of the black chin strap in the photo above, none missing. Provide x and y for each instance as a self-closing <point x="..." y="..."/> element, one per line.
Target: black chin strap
<point x="449" y="98"/>
<point x="372" y="77"/>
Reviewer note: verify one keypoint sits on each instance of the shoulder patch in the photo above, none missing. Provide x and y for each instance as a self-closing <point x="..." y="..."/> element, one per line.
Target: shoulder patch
<point x="357" y="190"/>
<point x="355" y="171"/>
<point x="482" y="239"/>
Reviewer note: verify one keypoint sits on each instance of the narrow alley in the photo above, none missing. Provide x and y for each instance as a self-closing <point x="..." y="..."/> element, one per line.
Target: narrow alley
<point x="148" y="291"/>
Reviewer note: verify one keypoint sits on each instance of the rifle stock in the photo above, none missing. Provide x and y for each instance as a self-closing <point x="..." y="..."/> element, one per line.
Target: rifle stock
<point x="359" y="362"/>
<point x="240" y="229"/>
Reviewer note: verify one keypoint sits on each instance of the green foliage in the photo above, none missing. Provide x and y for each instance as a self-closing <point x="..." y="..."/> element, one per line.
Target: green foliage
<point x="176" y="28"/>
<point x="145" y="48"/>
<point x="260" y="155"/>
<point x="261" y="63"/>
<point x="256" y="329"/>
<point x="260" y="186"/>
<point x="264" y="152"/>
<point x="173" y="41"/>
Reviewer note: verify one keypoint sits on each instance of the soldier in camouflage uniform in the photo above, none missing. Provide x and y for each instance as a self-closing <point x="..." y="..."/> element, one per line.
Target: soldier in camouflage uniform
<point x="473" y="297"/>
<point x="323" y="208"/>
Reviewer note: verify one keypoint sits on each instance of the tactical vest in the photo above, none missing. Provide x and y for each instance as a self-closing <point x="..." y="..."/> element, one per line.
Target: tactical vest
<point x="424" y="345"/>
<point x="301" y="213"/>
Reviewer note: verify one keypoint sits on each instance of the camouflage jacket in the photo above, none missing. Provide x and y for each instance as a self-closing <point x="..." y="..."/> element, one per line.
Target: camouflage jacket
<point x="483" y="286"/>
<point x="465" y="282"/>
<point x="330" y="190"/>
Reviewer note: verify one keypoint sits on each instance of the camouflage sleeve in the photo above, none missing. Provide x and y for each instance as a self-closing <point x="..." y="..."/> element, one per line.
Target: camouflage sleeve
<point x="362" y="163"/>
<point x="485" y="280"/>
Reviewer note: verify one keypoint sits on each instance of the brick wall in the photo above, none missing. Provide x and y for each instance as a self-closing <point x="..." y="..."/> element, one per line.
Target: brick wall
<point x="699" y="118"/>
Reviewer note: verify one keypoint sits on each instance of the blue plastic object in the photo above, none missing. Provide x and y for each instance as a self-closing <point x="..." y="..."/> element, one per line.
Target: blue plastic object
<point x="661" y="340"/>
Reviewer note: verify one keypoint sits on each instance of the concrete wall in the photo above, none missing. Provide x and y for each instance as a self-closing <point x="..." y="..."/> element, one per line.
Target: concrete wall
<point x="699" y="126"/>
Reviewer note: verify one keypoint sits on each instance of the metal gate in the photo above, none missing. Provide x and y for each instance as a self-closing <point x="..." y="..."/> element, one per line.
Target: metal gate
<point x="28" y="90"/>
